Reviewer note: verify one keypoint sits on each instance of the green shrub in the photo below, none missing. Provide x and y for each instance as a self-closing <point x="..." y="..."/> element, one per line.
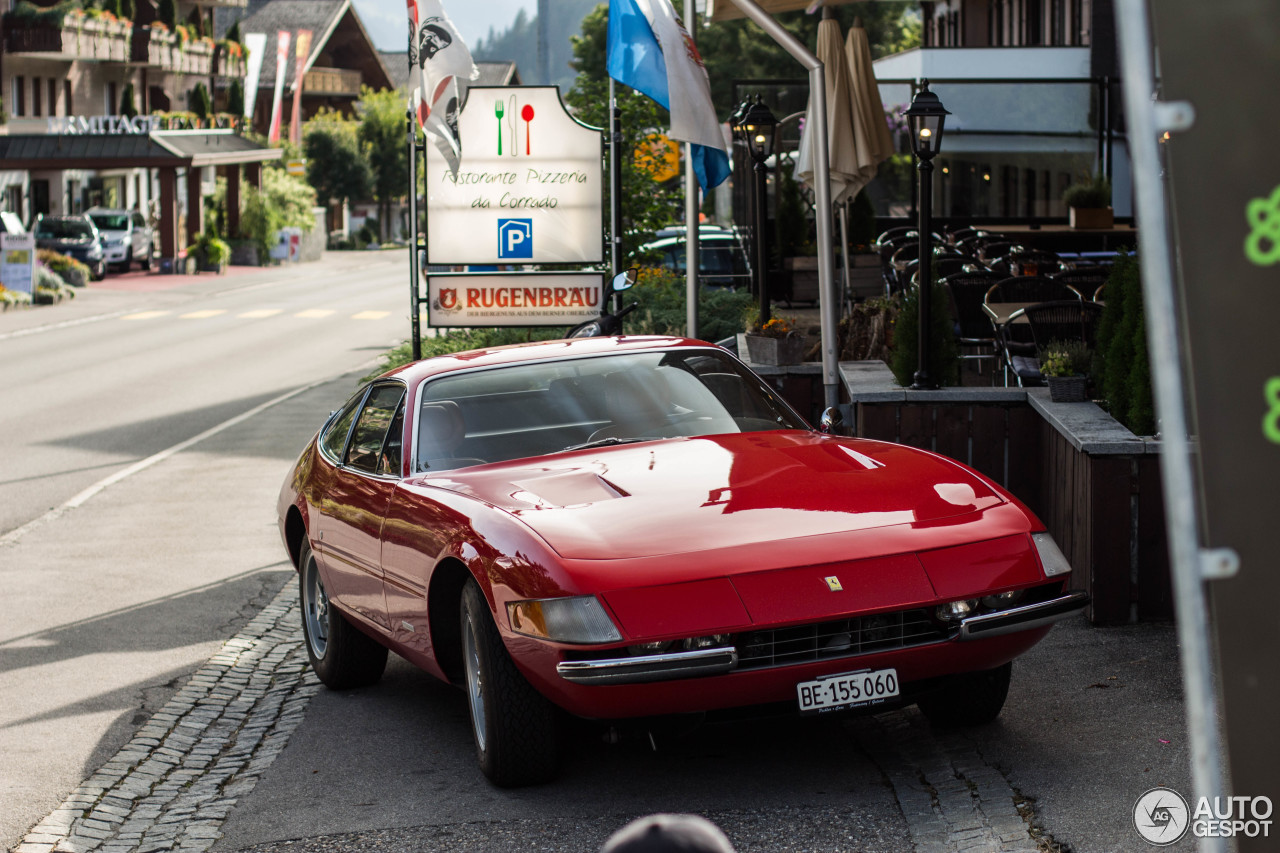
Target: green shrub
<point x="1065" y="358"/>
<point x="662" y="296"/>
<point x="211" y="250"/>
<point x="70" y="270"/>
<point x="1095" y="192"/>
<point x="944" y="361"/>
<point x="1121" y="362"/>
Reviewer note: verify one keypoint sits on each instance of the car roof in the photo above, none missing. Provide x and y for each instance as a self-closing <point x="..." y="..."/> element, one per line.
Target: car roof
<point x="539" y="351"/>
<point x="113" y="211"/>
<point x="703" y="239"/>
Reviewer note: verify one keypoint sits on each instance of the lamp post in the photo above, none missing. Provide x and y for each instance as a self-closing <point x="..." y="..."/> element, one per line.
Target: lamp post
<point x="926" y="117"/>
<point x="756" y="127"/>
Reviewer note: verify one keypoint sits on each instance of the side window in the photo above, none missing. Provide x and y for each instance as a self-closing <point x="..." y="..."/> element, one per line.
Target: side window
<point x="392" y="449"/>
<point x="138" y="221"/>
<point x="334" y="439"/>
<point x="371" y="428"/>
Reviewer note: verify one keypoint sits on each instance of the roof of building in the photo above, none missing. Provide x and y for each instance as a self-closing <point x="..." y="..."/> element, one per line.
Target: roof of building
<point x="338" y="38"/>
<point x="491" y="73"/>
<point x="129" y="150"/>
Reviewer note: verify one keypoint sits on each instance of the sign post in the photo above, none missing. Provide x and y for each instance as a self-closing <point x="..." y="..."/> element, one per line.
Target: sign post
<point x="18" y="262"/>
<point x="1217" y="331"/>
<point x="529" y="188"/>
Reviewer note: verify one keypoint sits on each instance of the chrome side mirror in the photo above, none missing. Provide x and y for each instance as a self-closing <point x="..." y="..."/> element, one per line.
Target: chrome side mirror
<point x="623" y="280"/>
<point x="831" y="421"/>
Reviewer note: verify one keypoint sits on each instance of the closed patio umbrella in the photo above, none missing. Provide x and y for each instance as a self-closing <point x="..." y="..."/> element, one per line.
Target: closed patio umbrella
<point x="872" y="141"/>
<point x="841" y="144"/>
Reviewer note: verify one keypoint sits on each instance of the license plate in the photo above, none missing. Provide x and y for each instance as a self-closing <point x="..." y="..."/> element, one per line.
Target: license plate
<point x="850" y="690"/>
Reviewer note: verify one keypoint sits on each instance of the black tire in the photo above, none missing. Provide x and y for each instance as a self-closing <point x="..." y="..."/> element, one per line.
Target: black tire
<point x="145" y="260"/>
<point x="340" y="654"/>
<point x="99" y="272"/>
<point x="971" y="699"/>
<point x="514" y="726"/>
<point x="128" y="260"/>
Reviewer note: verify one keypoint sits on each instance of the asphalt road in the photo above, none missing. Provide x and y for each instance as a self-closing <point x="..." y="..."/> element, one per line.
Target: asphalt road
<point x="110" y="604"/>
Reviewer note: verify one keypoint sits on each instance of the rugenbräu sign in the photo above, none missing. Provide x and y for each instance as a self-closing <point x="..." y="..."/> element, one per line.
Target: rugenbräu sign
<point x="461" y="300"/>
<point x="530" y="187"/>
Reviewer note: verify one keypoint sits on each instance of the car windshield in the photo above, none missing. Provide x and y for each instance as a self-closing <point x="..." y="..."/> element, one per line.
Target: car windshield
<point x="64" y="229"/>
<point x="524" y="410"/>
<point x="110" y="221"/>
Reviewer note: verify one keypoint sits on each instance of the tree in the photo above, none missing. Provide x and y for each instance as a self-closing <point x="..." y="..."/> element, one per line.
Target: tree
<point x="235" y="98"/>
<point x="646" y="205"/>
<point x="335" y="166"/>
<point x="382" y="138"/>
<point x="200" y="102"/>
<point x="128" y="102"/>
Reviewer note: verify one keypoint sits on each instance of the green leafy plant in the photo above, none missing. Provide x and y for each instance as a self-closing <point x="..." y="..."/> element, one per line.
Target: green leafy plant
<point x="1092" y="193"/>
<point x="167" y="12"/>
<point x="1066" y="358"/>
<point x="1121" y="363"/>
<point x="212" y="250"/>
<point x="944" y="362"/>
<point x="71" y="271"/>
<point x="235" y="98"/>
<point x="201" y="103"/>
<point x="29" y="14"/>
<point x="663" y="297"/>
<point x="128" y="101"/>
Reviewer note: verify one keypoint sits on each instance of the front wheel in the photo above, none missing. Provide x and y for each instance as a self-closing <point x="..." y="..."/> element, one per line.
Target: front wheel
<point x="341" y="656"/>
<point x="514" y="725"/>
<point x="968" y="700"/>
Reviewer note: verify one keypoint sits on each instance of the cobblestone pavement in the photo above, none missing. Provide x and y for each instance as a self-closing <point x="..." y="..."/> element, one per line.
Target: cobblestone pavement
<point x="171" y="787"/>
<point x="952" y="799"/>
<point x="176" y="780"/>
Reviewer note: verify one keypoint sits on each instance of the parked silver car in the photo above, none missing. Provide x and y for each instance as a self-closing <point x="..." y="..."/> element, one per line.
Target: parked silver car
<point x="126" y="236"/>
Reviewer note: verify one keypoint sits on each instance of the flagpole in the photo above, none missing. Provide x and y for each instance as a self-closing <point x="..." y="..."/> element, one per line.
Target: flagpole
<point x="415" y="323"/>
<point x="615" y="176"/>
<point x="692" y="229"/>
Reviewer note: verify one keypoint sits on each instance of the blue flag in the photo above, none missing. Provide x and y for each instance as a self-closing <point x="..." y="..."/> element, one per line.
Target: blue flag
<point x="650" y="51"/>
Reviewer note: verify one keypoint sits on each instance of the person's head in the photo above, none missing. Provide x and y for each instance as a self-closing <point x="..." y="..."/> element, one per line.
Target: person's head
<point x="668" y="833"/>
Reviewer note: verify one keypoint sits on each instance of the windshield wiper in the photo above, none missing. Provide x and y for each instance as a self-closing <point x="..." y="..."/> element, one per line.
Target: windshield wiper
<point x="601" y="442"/>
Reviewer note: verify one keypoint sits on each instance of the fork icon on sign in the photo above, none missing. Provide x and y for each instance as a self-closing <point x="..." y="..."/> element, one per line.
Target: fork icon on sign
<point x="497" y="111"/>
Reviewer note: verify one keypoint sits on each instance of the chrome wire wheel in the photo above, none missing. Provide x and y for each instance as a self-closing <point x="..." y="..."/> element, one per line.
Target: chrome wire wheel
<point x="315" y="604"/>
<point x="475" y="681"/>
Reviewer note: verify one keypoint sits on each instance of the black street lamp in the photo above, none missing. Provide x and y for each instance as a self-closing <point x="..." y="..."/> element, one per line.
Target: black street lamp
<point x="755" y="126"/>
<point x="925" y="117"/>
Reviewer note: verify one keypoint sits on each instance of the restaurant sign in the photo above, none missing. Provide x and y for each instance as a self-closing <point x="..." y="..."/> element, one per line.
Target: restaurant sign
<point x="530" y="186"/>
<point x="18" y="262"/>
<point x="460" y="300"/>
<point x="77" y="125"/>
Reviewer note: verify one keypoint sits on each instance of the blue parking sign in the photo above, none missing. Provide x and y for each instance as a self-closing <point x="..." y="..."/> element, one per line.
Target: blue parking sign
<point x="515" y="238"/>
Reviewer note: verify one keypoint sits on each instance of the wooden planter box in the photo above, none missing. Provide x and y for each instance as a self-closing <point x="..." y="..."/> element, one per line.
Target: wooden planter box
<point x="765" y="350"/>
<point x="1091" y="217"/>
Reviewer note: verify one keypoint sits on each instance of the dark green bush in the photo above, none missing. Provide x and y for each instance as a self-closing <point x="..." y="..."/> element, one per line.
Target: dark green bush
<point x="1122" y="364"/>
<point x="944" y="361"/>
<point x="662" y="298"/>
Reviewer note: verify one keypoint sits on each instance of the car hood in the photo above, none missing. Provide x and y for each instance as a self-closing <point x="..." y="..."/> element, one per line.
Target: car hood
<point x="71" y="242"/>
<point x="697" y="494"/>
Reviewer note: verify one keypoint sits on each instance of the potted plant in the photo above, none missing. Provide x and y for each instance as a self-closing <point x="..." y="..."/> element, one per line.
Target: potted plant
<point x="775" y="342"/>
<point x="1089" y="203"/>
<point x="1064" y="366"/>
<point x="211" y="253"/>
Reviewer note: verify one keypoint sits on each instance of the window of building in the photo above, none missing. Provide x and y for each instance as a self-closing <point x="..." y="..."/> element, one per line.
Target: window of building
<point x="35" y="97"/>
<point x="112" y="102"/>
<point x="13" y="199"/>
<point x="67" y="108"/>
<point x="19" y="95"/>
<point x="53" y="96"/>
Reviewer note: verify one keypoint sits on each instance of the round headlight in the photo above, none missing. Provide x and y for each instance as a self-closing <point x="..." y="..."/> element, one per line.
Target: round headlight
<point x="954" y="611"/>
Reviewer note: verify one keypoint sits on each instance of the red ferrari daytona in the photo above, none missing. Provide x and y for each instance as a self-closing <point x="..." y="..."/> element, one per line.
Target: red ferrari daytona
<point x="636" y="526"/>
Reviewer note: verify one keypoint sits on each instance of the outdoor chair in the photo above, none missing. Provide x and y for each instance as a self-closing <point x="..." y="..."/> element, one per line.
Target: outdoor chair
<point x="893" y="234"/>
<point x="1063" y="320"/>
<point x="1084" y="279"/>
<point x="1014" y="339"/>
<point x="994" y="251"/>
<point x="1040" y="262"/>
<point x="975" y="333"/>
<point x="950" y="264"/>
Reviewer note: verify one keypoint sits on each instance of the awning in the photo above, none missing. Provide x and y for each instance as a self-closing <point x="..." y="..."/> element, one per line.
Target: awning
<point x="177" y="148"/>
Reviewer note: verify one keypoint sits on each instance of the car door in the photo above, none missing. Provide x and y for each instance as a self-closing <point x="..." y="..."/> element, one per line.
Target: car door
<point x="353" y="487"/>
<point x="141" y="236"/>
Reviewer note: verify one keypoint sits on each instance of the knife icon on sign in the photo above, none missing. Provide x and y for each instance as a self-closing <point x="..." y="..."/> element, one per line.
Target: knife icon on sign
<point x="511" y="125"/>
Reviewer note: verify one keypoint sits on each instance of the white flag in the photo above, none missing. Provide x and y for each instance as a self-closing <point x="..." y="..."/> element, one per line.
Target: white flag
<point x="437" y="58"/>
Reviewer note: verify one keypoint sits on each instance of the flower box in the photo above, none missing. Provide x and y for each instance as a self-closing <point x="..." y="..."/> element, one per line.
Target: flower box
<point x="1091" y="217"/>
<point x="1067" y="389"/>
<point x="765" y="350"/>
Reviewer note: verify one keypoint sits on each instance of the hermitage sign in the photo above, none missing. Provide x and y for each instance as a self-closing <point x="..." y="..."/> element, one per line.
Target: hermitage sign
<point x="530" y="187"/>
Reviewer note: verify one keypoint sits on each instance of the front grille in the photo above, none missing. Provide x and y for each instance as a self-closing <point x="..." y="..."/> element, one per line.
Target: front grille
<point x="842" y="638"/>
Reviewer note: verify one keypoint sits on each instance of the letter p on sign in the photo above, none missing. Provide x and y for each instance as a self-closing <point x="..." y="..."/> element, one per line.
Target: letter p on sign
<point x="515" y="238"/>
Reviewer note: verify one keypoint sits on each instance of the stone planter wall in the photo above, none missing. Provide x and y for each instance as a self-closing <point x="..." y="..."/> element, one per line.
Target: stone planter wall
<point x="1094" y="484"/>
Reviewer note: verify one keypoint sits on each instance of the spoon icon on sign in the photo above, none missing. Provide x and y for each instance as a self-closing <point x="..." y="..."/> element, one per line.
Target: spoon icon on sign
<point x="527" y="115"/>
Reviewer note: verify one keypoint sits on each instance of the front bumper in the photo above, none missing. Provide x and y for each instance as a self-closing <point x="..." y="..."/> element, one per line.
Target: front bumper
<point x="115" y="254"/>
<point x="1023" y="618"/>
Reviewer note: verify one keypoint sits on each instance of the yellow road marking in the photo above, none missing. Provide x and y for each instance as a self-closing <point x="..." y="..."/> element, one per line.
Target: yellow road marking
<point x="203" y="315"/>
<point x="314" y="313"/>
<point x="260" y="313"/>
<point x="370" y="315"/>
<point x="144" y="315"/>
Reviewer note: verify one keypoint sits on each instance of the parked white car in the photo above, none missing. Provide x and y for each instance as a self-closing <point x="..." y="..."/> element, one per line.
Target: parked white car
<point x="126" y="236"/>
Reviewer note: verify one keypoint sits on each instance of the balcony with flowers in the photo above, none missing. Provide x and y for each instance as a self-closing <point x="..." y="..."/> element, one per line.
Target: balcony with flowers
<point x="67" y="32"/>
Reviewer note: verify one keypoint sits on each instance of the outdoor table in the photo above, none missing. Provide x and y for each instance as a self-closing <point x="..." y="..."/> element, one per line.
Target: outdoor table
<point x="999" y="311"/>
